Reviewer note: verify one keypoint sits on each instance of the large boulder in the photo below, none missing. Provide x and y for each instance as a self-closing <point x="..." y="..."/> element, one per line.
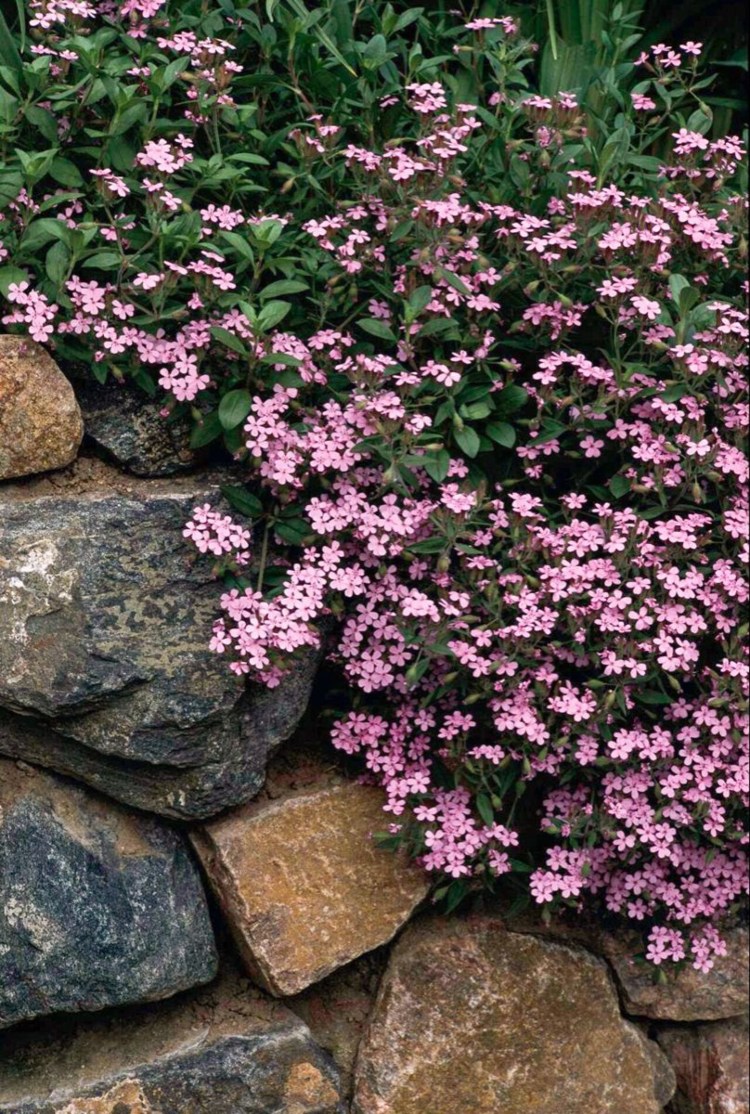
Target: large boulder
<point x="98" y="906"/>
<point x="226" y="1050"/>
<point x="304" y="888"/>
<point x="105" y="671"/>
<point x="40" y="421"/>
<point x="474" y="1018"/>
<point x="712" y="1065"/>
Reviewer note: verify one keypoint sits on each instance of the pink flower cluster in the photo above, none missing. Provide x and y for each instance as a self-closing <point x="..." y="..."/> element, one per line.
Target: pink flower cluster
<point x="518" y="465"/>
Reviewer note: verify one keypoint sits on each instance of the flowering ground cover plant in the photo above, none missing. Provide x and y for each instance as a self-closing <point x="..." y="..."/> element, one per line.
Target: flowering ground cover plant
<point x="480" y="360"/>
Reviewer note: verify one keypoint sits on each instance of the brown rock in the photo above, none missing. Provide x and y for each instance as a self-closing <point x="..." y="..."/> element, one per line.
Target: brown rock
<point x="687" y="994"/>
<point x="226" y="1050"/>
<point x="40" y="421"/>
<point x="304" y="888"/>
<point x="712" y="1064"/>
<point x="337" y="1009"/>
<point x="472" y="1018"/>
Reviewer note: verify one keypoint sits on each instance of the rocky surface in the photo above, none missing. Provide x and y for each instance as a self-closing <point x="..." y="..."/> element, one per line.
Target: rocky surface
<point x="337" y="1010"/>
<point x="226" y="1050"/>
<point x="473" y="1018"/>
<point x="98" y="907"/>
<point x="127" y="426"/>
<point x="40" y="421"/>
<point x="303" y="886"/>
<point x="105" y="671"/>
<point x="685" y="995"/>
<point x="712" y="1064"/>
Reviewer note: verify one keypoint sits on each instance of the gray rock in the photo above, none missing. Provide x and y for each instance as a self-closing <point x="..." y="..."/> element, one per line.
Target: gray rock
<point x="225" y="1050"/>
<point x="105" y="671"/>
<point x="98" y="906"/>
<point x="124" y="424"/>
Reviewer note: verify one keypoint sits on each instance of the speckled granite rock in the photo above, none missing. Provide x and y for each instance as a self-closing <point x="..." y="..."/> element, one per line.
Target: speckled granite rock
<point x="712" y="1064"/>
<point x="472" y="1018"/>
<point x="40" y="421"/>
<point x="226" y="1050"/>
<point x="105" y="671"/>
<point x="685" y="995"/>
<point x="98" y="906"/>
<point x="304" y="889"/>
<point x="126" y="425"/>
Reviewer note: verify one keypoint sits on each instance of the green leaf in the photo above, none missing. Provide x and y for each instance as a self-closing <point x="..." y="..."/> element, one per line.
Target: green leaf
<point x="295" y="535"/>
<point x="281" y="358"/>
<point x="652" y="696"/>
<point x="619" y="486"/>
<point x="207" y="431"/>
<point x="375" y="52"/>
<point x="56" y="263"/>
<point x="283" y="286"/>
<point x="271" y="314"/>
<point x="437" y="466"/>
<point x="9" y="275"/>
<point x="452" y="280"/>
<point x="104" y="260"/>
<point x="242" y="501"/>
<point x="485" y="810"/>
<point x="377" y="329"/>
<point x="550" y="431"/>
<point x="229" y="340"/>
<point x="234" y="408"/>
<point x="9" y="54"/>
<point x="468" y="440"/>
<point x="419" y="298"/>
<point x="66" y="173"/>
<point x="511" y="398"/>
<point x="501" y="432"/>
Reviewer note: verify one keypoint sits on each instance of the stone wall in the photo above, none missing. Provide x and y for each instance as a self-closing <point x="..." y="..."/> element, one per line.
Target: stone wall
<point x="193" y="919"/>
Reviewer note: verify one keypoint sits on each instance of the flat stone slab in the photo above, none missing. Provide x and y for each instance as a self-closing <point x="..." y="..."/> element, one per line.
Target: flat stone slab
<point x="226" y="1050"/>
<point x="40" y="422"/>
<point x="105" y="671"/>
<point x="303" y="886"/>
<point x="472" y="1018"/>
<point x="685" y="994"/>
<point x="98" y="906"/>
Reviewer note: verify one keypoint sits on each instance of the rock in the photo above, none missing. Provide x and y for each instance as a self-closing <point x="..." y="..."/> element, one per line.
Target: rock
<point x="126" y="425"/>
<point x="472" y="1018"/>
<point x="337" y="1010"/>
<point x="106" y="674"/>
<point x="712" y="1065"/>
<point x="686" y="995"/>
<point x="40" y="422"/>
<point x="98" y="906"/>
<point x="226" y="1050"/>
<point x="304" y="888"/>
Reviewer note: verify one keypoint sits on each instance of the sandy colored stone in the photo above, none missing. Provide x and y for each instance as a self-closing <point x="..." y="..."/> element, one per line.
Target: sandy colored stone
<point x="127" y="1095"/>
<point x="685" y="994"/>
<point x="303" y="886"/>
<point x="227" y="1049"/>
<point x="40" y="422"/>
<point x="712" y="1065"/>
<point x="472" y="1018"/>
